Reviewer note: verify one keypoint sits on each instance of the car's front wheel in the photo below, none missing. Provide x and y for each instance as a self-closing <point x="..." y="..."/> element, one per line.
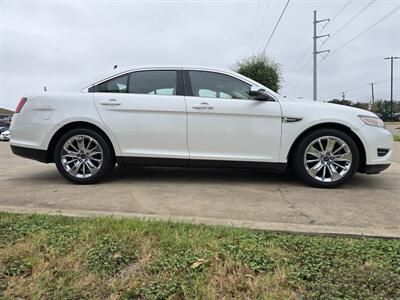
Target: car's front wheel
<point x="83" y="156"/>
<point x="326" y="158"/>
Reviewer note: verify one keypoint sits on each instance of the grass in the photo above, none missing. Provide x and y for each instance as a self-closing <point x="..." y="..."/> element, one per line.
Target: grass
<point x="396" y="138"/>
<point x="55" y="257"/>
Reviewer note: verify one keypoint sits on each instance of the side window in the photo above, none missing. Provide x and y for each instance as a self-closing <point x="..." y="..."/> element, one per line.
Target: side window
<point x="153" y="82"/>
<point x="207" y="93"/>
<point x="115" y="85"/>
<point x="216" y="85"/>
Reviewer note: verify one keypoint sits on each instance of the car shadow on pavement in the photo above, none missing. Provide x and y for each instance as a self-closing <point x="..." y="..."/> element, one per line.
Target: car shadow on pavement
<point x="138" y="174"/>
<point x="213" y="175"/>
<point x="199" y="175"/>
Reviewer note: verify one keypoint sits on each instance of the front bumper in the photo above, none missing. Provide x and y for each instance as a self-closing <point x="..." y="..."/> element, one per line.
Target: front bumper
<point x="35" y="154"/>
<point x="374" y="139"/>
<point x="375" y="169"/>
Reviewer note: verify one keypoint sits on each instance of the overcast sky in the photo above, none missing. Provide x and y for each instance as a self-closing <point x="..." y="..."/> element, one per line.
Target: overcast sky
<point x="60" y="43"/>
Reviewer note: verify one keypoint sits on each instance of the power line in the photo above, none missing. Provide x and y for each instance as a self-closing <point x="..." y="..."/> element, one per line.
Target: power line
<point x="357" y="87"/>
<point x="263" y="18"/>
<point x="366" y="84"/>
<point x="364" y="31"/>
<point x="386" y="80"/>
<point x="374" y="82"/>
<point x="276" y="25"/>
<point x="305" y="65"/>
<point x="306" y="75"/>
<point x="315" y="52"/>
<point x="341" y="47"/>
<point x="338" y="13"/>
<point x="254" y="23"/>
<point x="302" y="79"/>
<point x="307" y="62"/>
<point x="353" y="18"/>
<point x="311" y="43"/>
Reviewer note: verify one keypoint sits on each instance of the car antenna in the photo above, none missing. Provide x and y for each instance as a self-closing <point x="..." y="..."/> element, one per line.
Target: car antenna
<point x="115" y="66"/>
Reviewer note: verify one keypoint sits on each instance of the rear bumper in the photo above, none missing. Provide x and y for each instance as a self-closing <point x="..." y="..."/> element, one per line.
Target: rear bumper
<point x="35" y="154"/>
<point x="375" y="169"/>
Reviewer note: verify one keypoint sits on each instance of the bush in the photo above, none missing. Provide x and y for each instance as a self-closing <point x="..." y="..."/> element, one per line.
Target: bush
<point x="262" y="69"/>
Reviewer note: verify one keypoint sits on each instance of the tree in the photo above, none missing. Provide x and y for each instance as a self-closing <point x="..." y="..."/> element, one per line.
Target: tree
<point x="341" y="102"/>
<point x="349" y="103"/>
<point x="382" y="108"/>
<point x="262" y="69"/>
<point x="362" y="105"/>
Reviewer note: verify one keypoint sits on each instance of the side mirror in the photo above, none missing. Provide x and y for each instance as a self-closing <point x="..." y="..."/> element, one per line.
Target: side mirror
<point x="259" y="94"/>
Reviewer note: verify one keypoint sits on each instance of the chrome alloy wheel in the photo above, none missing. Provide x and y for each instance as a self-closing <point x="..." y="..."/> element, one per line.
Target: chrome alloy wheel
<point x="328" y="159"/>
<point x="82" y="156"/>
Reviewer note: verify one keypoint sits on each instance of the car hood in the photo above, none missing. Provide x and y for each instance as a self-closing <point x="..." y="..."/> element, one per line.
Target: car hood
<point x="325" y="106"/>
<point x="315" y="112"/>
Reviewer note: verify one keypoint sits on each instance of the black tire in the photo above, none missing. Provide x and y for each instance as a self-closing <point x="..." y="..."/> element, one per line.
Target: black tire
<point x="298" y="158"/>
<point x="108" y="159"/>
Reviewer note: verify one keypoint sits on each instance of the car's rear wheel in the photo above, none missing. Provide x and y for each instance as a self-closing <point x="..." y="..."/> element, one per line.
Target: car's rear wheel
<point x="326" y="158"/>
<point x="83" y="156"/>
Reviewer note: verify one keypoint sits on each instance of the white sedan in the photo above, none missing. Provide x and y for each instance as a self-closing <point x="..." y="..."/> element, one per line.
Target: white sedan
<point x="5" y="135"/>
<point x="196" y="117"/>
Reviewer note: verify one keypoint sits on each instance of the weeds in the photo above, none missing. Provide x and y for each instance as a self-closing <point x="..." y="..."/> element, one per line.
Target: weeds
<point x="109" y="256"/>
<point x="44" y="257"/>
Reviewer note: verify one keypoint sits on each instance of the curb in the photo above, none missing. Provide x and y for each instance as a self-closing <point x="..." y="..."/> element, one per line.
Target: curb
<point x="388" y="233"/>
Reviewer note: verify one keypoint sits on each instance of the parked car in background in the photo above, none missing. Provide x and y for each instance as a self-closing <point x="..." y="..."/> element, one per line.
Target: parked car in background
<point x="4" y="128"/>
<point x="196" y="117"/>
<point x="5" y="120"/>
<point x="5" y="135"/>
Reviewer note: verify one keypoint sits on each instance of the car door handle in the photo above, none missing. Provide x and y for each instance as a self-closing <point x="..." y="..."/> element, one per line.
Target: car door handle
<point x="203" y="105"/>
<point x="110" y="102"/>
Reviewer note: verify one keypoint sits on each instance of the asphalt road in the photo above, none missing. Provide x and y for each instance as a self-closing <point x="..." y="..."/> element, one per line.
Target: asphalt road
<point x="368" y="204"/>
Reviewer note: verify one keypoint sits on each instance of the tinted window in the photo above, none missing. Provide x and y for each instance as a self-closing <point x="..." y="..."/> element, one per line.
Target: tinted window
<point x="153" y="82"/>
<point x="115" y="85"/>
<point x="215" y="85"/>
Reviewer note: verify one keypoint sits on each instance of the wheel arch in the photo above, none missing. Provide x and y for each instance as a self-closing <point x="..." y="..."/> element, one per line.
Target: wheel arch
<point x="75" y="125"/>
<point x="330" y="125"/>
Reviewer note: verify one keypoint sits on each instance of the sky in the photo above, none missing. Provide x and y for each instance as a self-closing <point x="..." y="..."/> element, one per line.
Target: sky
<point x="59" y="44"/>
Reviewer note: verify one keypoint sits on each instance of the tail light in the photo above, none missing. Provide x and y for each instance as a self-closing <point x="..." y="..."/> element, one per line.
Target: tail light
<point x="21" y="104"/>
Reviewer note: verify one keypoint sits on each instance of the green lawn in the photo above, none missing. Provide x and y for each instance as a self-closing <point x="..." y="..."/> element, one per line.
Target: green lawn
<point x="54" y="257"/>
<point x="396" y="138"/>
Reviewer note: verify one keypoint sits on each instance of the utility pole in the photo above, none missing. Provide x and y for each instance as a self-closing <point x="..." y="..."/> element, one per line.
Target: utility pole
<point x="316" y="52"/>
<point x="373" y="95"/>
<point x="343" y="96"/>
<point x="391" y="83"/>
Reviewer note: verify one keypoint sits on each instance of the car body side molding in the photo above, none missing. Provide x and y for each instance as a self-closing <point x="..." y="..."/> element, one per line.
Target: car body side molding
<point x="201" y="163"/>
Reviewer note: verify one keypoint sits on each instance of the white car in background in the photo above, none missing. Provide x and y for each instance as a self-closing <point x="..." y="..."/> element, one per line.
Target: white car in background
<point x="196" y="117"/>
<point x="5" y="135"/>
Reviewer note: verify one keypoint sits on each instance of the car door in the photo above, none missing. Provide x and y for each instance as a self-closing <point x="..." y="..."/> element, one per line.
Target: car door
<point x="146" y="111"/>
<point x="225" y="123"/>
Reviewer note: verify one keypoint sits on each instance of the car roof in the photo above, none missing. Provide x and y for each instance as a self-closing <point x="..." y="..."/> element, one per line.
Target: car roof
<point x="138" y="67"/>
<point x="122" y="70"/>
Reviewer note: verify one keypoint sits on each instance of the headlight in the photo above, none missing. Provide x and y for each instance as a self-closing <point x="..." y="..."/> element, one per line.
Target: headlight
<point x="372" y="121"/>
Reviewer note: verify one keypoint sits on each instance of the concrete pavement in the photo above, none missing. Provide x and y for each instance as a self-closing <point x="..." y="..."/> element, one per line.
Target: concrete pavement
<point x="367" y="205"/>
